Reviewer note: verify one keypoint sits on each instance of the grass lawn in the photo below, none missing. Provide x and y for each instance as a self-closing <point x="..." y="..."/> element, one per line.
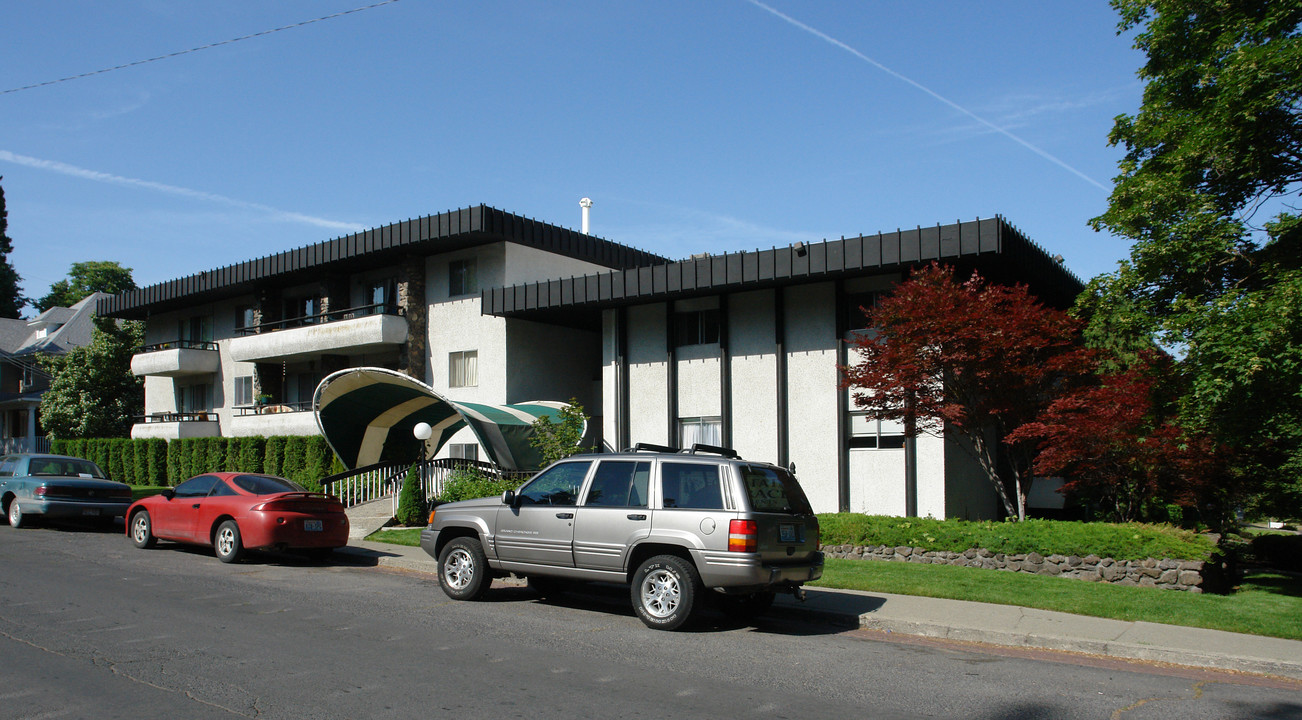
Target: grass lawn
<point x="143" y="491"/>
<point x="1265" y="603"/>
<point x="399" y="536"/>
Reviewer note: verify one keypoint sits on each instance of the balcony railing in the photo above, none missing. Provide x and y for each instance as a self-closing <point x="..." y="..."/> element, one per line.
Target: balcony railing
<point x="178" y="345"/>
<point x="322" y="318"/>
<point x="173" y="417"/>
<point x="271" y="408"/>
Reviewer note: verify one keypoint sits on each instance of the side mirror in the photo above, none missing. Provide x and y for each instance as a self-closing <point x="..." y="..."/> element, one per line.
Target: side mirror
<point x="508" y="498"/>
<point x="168" y="493"/>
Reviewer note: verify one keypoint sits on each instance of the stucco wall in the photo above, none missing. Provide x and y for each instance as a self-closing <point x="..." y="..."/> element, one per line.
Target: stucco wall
<point x="648" y="389"/>
<point x="811" y="367"/>
<point x="752" y="346"/>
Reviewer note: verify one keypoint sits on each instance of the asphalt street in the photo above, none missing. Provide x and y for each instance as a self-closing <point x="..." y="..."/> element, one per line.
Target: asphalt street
<point x="92" y="627"/>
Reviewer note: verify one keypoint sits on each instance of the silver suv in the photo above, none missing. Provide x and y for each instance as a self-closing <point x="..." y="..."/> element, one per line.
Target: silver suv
<point x="671" y="524"/>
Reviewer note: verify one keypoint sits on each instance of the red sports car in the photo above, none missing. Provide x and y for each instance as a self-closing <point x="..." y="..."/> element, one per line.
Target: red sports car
<point x="234" y="512"/>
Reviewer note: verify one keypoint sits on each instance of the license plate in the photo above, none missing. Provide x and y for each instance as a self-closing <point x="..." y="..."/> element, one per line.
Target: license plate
<point x="312" y="525"/>
<point x="90" y="512"/>
<point x="789" y="533"/>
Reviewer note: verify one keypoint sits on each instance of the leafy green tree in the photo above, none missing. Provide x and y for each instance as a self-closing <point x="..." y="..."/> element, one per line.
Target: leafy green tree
<point x="85" y="278"/>
<point x="1216" y="143"/>
<point x="11" y="296"/>
<point x="559" y="439"/>
<point x="93" y="393"/>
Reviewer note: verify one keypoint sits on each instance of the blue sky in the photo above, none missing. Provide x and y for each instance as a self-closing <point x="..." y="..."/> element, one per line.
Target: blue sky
<point x="694" y="127"/>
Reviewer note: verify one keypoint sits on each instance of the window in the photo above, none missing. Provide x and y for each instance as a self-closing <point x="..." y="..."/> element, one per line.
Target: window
<point x="697" y="327"/>
<point x="463" y="451"/>
<point x="194" y="398"/>
<point x="244" y="390"/>
<point x="774" y="490"/>
<point x="303" y="309"/>
<point x="381" y="294"/>
<point x="855" y="304"/>
<point x="195" y="487"/>
<point x="619" y="483"/>
<point x="463" y="368"/>
<point x="869" y="432"/>
<point x="461" y="277"/>
<point x="246" y="316"/>
<point x="265" y="484"/>
<point x="690" y="485"/>
<point x="558" y="485"/>
<point x="194" y="330"/>
<point x="707" y="431"/>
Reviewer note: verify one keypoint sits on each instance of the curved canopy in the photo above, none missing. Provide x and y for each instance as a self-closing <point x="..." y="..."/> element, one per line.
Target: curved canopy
<point x="367" y="416"/>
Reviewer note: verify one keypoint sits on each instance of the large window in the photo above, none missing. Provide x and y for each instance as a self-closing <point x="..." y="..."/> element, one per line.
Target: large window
<point x="461" y="277"/>
<point x="382" y="294"/>
<point x="696" y="327"/>
<point x="704" y="430"/>
<point x="246" y="316"/>
<point x="194" y="398"/>
<point x="856" y="303"/>
<point x="197" y="329"/>
<point x="463" y="451"/>
<point x="463" y="368"/>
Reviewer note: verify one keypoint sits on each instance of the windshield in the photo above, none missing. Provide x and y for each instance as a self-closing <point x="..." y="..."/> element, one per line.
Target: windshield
<point x="774" y="490"/>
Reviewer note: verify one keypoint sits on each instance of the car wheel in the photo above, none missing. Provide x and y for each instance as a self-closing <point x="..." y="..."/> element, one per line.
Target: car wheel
<point x="664" y="592"/>
<point x="745" y="606"/>
<point x="463" y="569"/>
<point x="16" y="518"/>
<point x="142" y="530"/>
<point x="227" y="542"/>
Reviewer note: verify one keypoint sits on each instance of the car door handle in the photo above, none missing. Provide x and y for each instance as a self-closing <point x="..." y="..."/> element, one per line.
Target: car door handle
<point x="195" y="506"/>
<point x="565" y="516"/>
<point x="636" y="516"/>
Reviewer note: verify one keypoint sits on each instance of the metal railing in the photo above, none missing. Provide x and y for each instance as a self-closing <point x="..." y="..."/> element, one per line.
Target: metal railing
<point x="321" y="318"/>
<point x="38" y="444"/>
<point x="381" y="480"/>
<point x="269" y="408"/>
<point x="170" y="416"/>
<point x="177" y="345"/>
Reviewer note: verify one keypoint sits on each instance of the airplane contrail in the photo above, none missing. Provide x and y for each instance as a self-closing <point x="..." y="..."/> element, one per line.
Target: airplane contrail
<point x="1002" y="131"/>
<point x="97" y="176"/>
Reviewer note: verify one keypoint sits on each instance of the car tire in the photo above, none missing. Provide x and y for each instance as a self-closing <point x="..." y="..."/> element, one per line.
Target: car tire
<point x="16" y="517"/>
<point x="226" y="542"/>
<point x="745" y="606"/>
<point x="142" y="530"/>
<point x="463" y="569"/>
<point x="664" y="592"/>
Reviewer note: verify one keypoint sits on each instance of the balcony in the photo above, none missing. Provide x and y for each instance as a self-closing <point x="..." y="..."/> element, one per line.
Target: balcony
<point x="176" y="425"/>
<point x="354" y="331"/>
<point x="274" y="419"/>
<point x="176" y="359"/>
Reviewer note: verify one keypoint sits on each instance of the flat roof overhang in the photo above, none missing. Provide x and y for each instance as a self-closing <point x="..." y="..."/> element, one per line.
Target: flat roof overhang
<point x="992" y="247"/>
<point x="378" y="247"/>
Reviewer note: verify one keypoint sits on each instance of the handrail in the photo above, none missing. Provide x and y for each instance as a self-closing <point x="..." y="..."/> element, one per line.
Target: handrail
<point x="380" y="480"/>
<point x="351" y="313"/>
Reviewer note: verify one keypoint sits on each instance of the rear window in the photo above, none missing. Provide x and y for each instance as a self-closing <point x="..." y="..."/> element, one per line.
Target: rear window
<point x="264" y="484"/>
<point x="692" y="486"/>
<point x="774" y="490"/>
<point x="67" y="467"/>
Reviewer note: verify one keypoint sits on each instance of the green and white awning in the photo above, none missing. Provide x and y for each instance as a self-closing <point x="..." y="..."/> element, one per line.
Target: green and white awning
<point x="367" y="416"/>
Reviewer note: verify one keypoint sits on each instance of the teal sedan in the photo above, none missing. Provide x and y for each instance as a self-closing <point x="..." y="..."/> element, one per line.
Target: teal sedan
<point x="57" y="486"/>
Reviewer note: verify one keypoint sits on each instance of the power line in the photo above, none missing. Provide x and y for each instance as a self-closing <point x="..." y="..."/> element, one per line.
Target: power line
<point x="197" y="49"/>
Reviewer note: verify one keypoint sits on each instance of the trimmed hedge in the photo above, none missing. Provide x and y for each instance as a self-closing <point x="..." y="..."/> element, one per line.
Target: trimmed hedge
<point x="157" y="463"/>
<point x="1129" y="541"/>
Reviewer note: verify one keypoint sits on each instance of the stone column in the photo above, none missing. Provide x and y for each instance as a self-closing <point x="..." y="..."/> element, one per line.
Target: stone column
<point x="411" y="299"/>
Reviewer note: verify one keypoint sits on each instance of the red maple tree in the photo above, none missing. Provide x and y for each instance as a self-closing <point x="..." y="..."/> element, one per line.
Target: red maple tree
<point x="971" y="358"/>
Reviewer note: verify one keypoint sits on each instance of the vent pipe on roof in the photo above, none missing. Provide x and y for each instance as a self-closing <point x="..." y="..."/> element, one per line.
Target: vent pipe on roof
<point x="586" y="204"/>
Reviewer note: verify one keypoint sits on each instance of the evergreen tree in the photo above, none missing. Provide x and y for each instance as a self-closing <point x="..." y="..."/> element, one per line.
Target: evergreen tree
<point x="11" y="298"/>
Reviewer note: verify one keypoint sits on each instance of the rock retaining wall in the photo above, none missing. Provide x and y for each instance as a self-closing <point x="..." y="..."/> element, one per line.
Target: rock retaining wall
<point x="1186" y="575"/>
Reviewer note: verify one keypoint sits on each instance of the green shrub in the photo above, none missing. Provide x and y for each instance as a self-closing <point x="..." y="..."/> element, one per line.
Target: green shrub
<point x="412" y="507"/>
<point x="468" y="483"/>
<point x="274" y="456"/>
<point x="1281" y="552"/>
<point x="1129" y="541"/>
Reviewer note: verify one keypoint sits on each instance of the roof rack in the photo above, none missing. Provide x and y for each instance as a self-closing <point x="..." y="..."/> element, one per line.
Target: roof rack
<point x="653" y="448"/>
<point x="726" y="452"/>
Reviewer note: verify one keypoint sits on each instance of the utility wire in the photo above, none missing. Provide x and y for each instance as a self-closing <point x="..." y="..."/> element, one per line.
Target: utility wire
<point x="197" y="49"/>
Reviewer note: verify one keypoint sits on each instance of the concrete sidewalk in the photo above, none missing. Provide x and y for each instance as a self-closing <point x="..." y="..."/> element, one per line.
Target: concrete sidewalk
<point x="1005" y="625"/>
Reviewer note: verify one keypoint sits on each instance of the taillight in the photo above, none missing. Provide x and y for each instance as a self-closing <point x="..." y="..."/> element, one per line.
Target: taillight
<point x="818" y="534"/>
<point x="743" y="536"/>
<point x="40" y="491"/>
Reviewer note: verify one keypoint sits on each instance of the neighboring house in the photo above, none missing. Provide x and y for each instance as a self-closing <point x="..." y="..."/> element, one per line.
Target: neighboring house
<point x="740" y="349"/>
<point x="23" y="381"/>
<point x="241" y="349"/>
